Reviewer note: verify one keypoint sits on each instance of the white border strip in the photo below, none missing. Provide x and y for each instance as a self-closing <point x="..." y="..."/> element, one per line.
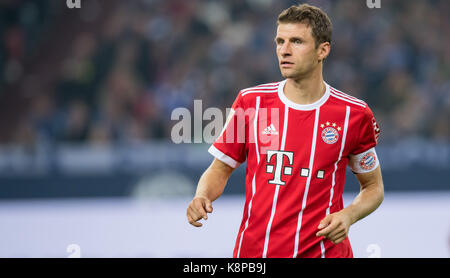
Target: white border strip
<point x="322" y="249"/>
<point x="275" y="197"/>
<point x="337" y="92"/>
<point x="347" y="100"/>
<point x="269" y="225"/>
<point x="344" y="137"/>
<point x="223" y="157"/>
<point x="255" y="130"/>
<point x="262" y="86"/>
<point x="261" y="91"/>
<point x="303" y="107"/>
<point x="308" y="182"/>
<point x="255" y="126"/>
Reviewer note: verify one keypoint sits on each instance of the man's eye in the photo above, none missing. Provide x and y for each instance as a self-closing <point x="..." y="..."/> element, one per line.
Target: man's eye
<point x="297" y="41"/>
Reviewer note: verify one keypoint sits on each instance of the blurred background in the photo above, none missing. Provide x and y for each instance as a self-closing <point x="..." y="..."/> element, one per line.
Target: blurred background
<point x="87" y="164"/>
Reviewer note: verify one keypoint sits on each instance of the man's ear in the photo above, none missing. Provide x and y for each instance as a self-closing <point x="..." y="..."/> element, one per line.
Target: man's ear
<point x="323" y="50"/>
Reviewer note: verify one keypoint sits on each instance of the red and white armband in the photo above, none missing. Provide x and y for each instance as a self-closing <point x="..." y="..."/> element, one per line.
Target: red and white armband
<point x="364" y="162"/>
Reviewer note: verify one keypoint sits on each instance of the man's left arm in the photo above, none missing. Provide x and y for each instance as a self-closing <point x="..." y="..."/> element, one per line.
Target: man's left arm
<point x="335" y="226"/>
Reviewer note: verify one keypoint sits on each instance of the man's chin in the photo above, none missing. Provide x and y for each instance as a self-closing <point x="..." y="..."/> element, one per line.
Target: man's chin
<point x="289" y="75"/>
<point x="296" y="75"/>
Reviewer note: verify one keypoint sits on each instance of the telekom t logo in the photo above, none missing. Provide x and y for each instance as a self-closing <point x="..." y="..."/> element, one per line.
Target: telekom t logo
<point x="279" y="168"/>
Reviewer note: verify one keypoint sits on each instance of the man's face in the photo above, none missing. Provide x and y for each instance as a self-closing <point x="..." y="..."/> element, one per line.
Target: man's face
<point x="296" y="50"/>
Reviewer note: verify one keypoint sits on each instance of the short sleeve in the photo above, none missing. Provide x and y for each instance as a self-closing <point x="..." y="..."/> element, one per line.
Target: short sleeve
<point x="369" y="132"/>
<point x="363" y="158"/>
<point x="229" y="147"/>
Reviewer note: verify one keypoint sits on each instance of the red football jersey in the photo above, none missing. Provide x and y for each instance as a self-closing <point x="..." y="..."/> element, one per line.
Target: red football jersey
<point x="296" y="163"/>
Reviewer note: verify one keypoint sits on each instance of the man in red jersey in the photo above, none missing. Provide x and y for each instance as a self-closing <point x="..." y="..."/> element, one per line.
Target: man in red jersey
<point x="297" y="136"/>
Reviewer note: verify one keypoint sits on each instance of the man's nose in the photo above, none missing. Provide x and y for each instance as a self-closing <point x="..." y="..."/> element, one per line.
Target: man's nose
<point x="286" y="49"/>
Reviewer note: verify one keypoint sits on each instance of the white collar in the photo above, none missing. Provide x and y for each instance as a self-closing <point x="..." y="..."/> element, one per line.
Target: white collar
<point x="304" y="107"/>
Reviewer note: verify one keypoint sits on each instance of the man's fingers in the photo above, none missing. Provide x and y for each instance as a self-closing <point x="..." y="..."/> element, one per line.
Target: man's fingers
<point x="208" y="206"/>
<point x="339" y="230"/>
<point x="193" y="213"/>
<point x="197" y="210"/>
<point x="199" y="206"/>
<point x="193" y="221"/>
<point x="196" y="224"/>
<point x="327" y="230"/>
<point x="325" y="222"/>
<point x="339" y="236"/>
<point x="339" y="239"/>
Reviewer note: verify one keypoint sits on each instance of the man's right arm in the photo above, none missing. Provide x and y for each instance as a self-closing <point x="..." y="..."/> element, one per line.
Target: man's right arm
<point x="209" y="188"/>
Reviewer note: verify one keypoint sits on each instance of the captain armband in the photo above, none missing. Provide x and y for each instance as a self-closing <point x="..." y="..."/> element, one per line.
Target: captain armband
<point x="364" y="162"/>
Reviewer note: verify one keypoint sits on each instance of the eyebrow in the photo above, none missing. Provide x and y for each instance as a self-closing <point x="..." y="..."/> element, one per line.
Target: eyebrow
<point x="276" y="39"/>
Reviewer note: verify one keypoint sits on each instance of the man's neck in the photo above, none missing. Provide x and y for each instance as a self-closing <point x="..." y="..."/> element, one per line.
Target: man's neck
<point x="305" y="91"/>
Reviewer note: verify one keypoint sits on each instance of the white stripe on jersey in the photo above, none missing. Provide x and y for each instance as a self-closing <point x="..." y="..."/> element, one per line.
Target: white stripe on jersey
<point x="322" y="249"/>
<point x="260" y="90"/>
<point x="308" y="181"/>
<point x="264" y="92"/>
<point x="344" y="137"/>
<point x="347" y="95"/>
<point x="268" y="85"/>
<point x="347" y="100"/>
<point x="255" y="126"/>
<point x="269" y="226"/>
<point x="262" y="86"/>
<point x="275" y="197"/>
<point x="223" y="157"/>
<point x="255" y="130"/>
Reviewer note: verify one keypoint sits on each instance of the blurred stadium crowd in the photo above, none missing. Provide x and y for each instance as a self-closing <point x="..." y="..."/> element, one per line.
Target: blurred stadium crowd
<point x="113" y="71"/>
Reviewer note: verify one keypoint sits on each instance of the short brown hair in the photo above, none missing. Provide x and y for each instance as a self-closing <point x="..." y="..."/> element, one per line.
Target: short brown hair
<point x="313" y="16"/>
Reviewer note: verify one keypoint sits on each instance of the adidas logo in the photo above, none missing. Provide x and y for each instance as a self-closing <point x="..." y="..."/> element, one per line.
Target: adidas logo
<point x="270" y="130"/>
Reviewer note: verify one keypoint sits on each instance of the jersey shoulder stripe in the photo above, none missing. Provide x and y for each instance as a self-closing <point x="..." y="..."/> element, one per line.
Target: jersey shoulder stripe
<point x="264" y="88"/>
<point x="347" y="98"/>
<point x="347" y="95"/>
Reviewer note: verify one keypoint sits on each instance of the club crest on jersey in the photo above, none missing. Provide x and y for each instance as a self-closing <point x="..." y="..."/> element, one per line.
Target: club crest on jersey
<point x="368" y="161"/>
<point x="330" y="133"/>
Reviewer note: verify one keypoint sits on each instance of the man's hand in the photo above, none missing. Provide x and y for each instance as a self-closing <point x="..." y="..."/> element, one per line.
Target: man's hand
<point x="335" y="226"/>
<point x="209" y="188"/>
<point x="198" y="209"/>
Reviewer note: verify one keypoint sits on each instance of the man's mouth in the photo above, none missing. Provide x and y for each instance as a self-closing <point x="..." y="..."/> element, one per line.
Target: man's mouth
<point x="286" y="63"/>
